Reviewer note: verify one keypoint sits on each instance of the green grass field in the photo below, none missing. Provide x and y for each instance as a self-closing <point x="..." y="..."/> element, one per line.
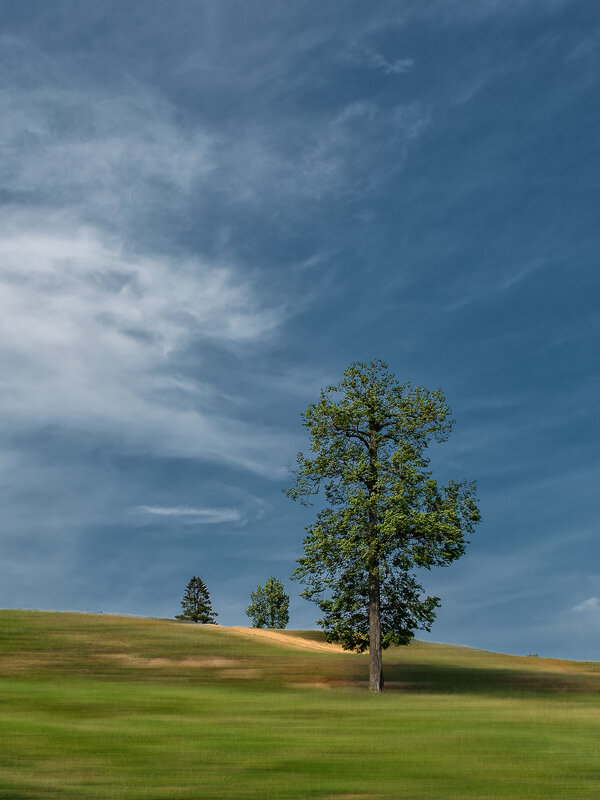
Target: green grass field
<point x="116" y="707"/>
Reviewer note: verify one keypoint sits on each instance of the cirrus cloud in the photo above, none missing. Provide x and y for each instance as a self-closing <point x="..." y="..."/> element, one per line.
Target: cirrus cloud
<point x="98" y="340"/>
<point x="199" y="516"/>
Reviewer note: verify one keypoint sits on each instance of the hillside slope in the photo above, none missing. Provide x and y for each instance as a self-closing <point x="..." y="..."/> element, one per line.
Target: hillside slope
<point x="99" y="707"/>
<point x="110" y="647"/>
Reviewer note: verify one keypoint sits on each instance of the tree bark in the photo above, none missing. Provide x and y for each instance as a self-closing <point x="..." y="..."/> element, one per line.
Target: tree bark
<point x="375" y="660"/>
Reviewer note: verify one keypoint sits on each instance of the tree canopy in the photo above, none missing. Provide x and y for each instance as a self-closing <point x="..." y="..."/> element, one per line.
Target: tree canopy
<point x="384" y="515"/>
<point x="269" y="606"/>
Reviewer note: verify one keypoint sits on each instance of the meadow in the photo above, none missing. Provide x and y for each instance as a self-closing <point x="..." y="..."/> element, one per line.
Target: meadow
<point x="98" y="706"/>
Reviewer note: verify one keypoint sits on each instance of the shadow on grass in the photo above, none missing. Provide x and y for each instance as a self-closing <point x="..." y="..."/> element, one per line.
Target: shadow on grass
<point x="471" y="679"/>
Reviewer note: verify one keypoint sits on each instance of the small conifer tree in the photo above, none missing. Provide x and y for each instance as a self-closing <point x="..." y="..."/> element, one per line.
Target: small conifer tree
<point x="196" y="603"/>
<point x="270" y="605"/>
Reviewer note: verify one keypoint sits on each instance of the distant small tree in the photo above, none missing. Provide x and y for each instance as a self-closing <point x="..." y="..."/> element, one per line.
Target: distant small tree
<point x="196" y="603"/>
<point x="269" y="607"/>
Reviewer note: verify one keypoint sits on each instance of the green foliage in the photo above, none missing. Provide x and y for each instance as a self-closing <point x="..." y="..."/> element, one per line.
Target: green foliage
<point x="196" y="603"/>
<point x="269" y="607"/>
<point x="385" y="513"/>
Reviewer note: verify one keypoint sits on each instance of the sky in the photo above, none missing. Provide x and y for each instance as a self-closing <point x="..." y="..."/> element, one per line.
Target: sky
<point x="211" y="208"/>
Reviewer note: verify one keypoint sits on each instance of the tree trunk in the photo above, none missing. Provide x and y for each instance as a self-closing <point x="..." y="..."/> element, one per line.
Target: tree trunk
<point x="375" y="665"/>
<point x="375" y="661"/>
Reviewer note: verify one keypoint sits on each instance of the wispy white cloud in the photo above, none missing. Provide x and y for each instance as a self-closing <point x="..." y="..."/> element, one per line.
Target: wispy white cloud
<point x="398" y="66"/>
<point x="113" y="158"/>
<point x="199" y="516"/>
<point x="96" y="327"/>
<point x="116" y="158"/>
<point x="106" y="155"/>
<point x="93" y="339"/>
<point x="592" y="604"/>
<point x="96" y="324"/>
<point x="500" y="280"/>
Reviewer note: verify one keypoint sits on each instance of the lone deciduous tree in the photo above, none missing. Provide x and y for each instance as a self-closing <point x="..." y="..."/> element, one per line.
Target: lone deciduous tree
<point x="385" y="514"/>
<point x="269" y="606"/>
<point x="196" y="603"/>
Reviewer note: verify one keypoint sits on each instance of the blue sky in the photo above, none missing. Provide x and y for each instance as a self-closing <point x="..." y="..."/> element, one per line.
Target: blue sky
<point x="209" y="209"/>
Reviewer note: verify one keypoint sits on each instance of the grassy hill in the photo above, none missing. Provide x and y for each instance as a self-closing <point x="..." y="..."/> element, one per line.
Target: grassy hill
<point x="95" y="706"/>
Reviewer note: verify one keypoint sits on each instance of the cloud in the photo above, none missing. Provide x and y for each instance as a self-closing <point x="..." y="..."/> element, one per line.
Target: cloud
<point x="199" y="516"/>
<point x="97" y="340"/>
<point x="110" y="156"/>
<point x="57" y="282"/>
<point x="591" y="604"/>
<point x="397" y="67"/>
<point x="101" y="332"/>
<point x="118" y="155"/>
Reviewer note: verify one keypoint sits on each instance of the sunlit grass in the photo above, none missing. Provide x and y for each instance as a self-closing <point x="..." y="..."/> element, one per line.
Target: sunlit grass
<point x="78" y="722"/>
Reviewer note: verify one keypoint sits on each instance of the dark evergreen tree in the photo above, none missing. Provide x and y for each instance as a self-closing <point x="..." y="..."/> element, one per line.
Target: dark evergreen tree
<point x="269" y="607"/>
<point x="196" y="603"/>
